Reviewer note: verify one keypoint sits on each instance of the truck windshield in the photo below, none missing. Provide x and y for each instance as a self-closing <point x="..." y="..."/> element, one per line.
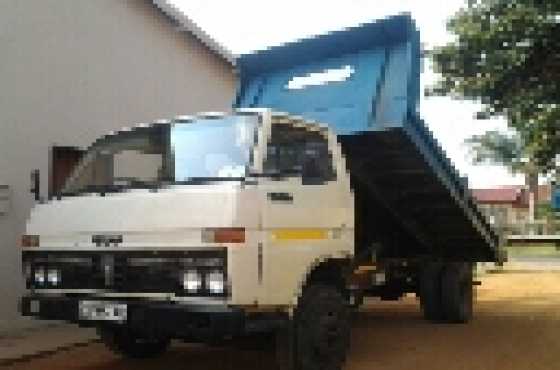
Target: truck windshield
<point x="213" y="148"/>
<point x="205" y="149"/>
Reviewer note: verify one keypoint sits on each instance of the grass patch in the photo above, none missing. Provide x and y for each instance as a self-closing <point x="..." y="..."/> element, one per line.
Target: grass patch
<point x="533" y="251"/>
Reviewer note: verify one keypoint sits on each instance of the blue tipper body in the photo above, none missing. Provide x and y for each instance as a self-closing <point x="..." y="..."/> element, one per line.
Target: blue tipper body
<point x="380" y="94"/>
<point x="383" y="89"/>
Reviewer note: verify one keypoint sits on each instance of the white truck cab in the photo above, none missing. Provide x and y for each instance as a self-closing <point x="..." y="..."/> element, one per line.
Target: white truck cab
<point x="267" y="191"/>
<point x="222" y="214"/>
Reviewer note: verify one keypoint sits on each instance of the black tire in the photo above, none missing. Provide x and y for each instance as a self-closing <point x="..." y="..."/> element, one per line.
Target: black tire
<point x="124" y="342"/>
<point x="430" y="291"/>
<point x="318" y="337"/>
<point x="457" y="292"/>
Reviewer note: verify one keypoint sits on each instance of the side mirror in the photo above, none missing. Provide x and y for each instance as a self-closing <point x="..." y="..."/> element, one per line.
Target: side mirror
<point x="35" y="184"/>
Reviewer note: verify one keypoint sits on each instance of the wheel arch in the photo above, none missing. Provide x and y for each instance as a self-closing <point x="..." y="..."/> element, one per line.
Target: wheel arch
<point x="331" y="271"/>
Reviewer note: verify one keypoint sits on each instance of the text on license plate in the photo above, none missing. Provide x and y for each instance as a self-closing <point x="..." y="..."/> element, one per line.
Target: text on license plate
<point x="102" y="310"/>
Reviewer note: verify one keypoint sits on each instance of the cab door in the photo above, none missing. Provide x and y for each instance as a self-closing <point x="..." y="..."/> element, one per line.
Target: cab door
<point x="306" y="208"/>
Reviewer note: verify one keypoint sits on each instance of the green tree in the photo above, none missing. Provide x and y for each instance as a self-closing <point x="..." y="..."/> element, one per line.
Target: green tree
<point x="506" y="55"/>
<point x="495" y="147"/>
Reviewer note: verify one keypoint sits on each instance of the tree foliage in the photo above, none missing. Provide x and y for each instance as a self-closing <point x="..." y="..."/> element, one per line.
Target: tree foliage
<point x="499" y="148"/>
<point x="506" y="54"/>
<point x="495" y="147"/>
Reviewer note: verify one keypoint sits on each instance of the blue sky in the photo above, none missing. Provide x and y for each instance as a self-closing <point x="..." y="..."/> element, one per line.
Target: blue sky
<point x="246" y="25"/>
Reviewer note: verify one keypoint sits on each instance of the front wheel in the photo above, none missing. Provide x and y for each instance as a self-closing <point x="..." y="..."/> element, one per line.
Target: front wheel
<point x="124" y="342"/>
<point x="318" y="337"/>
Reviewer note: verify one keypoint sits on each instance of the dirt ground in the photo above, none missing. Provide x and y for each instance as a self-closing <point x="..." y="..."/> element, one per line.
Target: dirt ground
<point x="516" y="327"/>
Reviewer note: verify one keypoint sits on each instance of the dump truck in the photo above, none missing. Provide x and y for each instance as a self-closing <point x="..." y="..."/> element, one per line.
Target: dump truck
<point x="322" y="188"/>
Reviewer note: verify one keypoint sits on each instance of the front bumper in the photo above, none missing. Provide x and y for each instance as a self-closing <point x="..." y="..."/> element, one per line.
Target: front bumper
<point x="197" y="322"/>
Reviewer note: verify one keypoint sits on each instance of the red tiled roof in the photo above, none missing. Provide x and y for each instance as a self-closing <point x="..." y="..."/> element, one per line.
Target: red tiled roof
<point x="515" y="194"/>
<point x="499" y="195"/>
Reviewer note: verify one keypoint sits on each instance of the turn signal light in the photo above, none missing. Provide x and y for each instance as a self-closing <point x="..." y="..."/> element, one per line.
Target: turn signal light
<point x="224" y="235"/>
<point x="30" y="240"/>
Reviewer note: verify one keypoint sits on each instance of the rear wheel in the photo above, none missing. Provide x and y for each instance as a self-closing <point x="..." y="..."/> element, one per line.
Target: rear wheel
<point x="457" y="292"/>
<point x="446" y="291"/>
<point x="124" y="342"/>
<point x="430" y="291"/>
<point x="318" y="337"/>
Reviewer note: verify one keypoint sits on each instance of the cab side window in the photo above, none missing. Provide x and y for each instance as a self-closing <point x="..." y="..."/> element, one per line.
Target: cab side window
<point x="298" y="151"/>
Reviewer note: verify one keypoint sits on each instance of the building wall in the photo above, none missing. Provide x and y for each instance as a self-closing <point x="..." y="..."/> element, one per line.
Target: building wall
<point x="518" y="215"/>
<point x="505" y="215"/>
<point x="73" y="70"/>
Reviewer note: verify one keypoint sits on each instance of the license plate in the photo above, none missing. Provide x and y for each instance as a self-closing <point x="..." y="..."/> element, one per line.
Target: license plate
<point x="102" y="311"/>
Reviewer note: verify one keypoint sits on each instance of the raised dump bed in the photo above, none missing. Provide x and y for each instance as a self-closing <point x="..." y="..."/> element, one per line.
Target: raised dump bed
<point x="364" y="82"/>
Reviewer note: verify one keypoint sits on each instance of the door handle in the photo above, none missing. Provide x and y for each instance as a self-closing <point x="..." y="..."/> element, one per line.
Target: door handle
<point x="280" y="197"/>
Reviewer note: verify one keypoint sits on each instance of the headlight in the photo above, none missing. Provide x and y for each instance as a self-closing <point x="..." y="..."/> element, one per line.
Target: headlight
<point x="39" y="276"/>
<point x="53" y="276"/>
<point x="215" y="282"/>
<point x="192" y="281"/>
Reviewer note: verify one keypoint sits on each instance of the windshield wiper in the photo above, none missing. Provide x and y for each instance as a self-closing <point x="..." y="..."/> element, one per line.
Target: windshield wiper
<point x="101" y="189"/>
<point x="205" y="180"/>
<point x="138" y="184"/>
